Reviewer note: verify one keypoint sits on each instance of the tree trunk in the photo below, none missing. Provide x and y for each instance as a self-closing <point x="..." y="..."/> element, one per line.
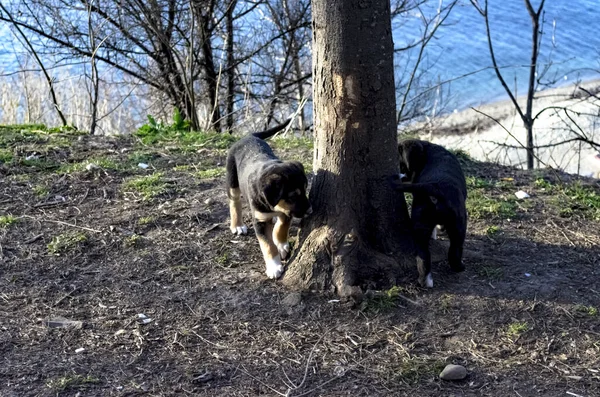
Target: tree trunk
<point x="528" y="120"/>
<point x="359" y="233"/>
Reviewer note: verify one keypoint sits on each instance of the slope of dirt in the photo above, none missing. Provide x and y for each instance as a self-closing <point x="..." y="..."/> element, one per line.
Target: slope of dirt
<point x="117" y="281"/>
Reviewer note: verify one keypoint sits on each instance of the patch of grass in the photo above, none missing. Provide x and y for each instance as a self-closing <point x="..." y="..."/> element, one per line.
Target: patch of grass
<point x="474" y="182"/>
<point x="71" y="382"/>
<point x="492" y="230"/>
<point x="135" y="240"/>
<point x="413" y="370"/>
<point x="178" y="133"/>
<point x="223" y="258"/>
<point x="145" y="220"/>
<point x="102" y="162"/>
<point x="383" y="300"/>
<point x="288" y="143"/>
<point x="66" y="242"/>
<point x="446" y="302"/>
<point x="40" y="190"/>
<point x="148" y="186"/>
<point x="573" y="199"/>
<point x="39" y="163"/>
<point x="482" y="206"/>
<point x="211" y="173"/>
<point x="141" y="157"/>
<point x="591" y="311"/>
<point x="517" y="328"/>
<point x="493" y="273"/>
<point x="6" y="156"/>
<point x="182" y="168"/>
<point x="7" y="220"/>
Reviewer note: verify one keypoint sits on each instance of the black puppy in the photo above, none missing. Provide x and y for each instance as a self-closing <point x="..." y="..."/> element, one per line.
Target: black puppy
<point x="439" y="194"/>
<point x="273" y="189"/>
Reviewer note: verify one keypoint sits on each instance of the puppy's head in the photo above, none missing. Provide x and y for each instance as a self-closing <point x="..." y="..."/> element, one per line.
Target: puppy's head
<point x="284" y="189"/>
<point x="412" y="158"/>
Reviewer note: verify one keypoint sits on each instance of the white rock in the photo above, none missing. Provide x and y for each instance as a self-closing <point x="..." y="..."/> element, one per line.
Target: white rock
<point x="91" y="166"/>
<point x="453" y="372"/>
<point x="143" y="165"/>
<point x="522" y="195"/>
<point x="79" y="350"/>
<point x="209" y="201"/>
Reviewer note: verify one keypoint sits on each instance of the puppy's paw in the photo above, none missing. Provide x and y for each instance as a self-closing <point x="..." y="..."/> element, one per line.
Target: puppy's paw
<point x="284" y="249"/>
<point x="239" y="230"/>
<point x="427" y="281"/>
<point x="274" y="267"/>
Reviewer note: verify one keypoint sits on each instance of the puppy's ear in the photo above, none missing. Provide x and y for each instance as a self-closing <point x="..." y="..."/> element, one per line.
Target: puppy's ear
<point x="273" y="189"/>
<point x="298" y="165"/>
<point x="415" y="157"/>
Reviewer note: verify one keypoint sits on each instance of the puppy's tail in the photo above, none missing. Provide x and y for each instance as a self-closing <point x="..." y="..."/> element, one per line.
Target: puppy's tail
<point x="272" y="131"/>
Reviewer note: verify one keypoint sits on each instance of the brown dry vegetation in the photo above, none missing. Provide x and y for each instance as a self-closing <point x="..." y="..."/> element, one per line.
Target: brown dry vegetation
<point x="99" y="247"/>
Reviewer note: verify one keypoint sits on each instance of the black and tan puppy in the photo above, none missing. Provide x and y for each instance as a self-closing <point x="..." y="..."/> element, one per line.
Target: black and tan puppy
<point x="439" y="193"/>
<point x="273" y="189"/>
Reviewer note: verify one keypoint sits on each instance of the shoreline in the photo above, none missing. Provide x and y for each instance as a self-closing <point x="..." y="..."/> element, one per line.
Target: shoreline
<point x="479" y="133"/>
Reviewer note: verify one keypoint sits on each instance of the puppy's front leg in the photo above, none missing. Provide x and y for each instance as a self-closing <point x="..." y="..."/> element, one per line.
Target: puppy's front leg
<point x="235" y="212"/>
<point x="264" y="232"/>
<point x="281" y="234"/>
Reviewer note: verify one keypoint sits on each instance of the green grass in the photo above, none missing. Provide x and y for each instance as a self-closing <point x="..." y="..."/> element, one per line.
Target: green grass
<point x="66" y="242"/>
<point x="40" y="190"/>
<point x="7" y="220"/>
<point x="482" y="206"/>
<point x="492" y="273"/>
<point x="71" y="382"/>
<point x="145" y="220"/>
<point x="40" y="163"/>
<point x="6" y="156"/>
<point x="573" y="199"/>
<point x="517" y="328"/>
<point x="383" y="300"/>
<point x="289" y="143"/>
<point x="148" y="186"/>
<point x="591" y="311"/>
<point x="211" y="173"/>
<point x="102" y="162"/>
<point x="492" y="230"/>
<point x="135" y="240"/>
<point x="413" y="370"/>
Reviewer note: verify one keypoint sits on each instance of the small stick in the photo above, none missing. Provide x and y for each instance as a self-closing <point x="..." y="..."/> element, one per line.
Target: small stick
<point x="34" y="238"/>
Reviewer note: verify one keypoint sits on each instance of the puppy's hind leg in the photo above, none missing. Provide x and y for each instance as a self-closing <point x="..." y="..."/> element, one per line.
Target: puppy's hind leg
<point x="422" y="236"/>
<point x="264" y="232"/>
<point x="235" y="202"/>
<point x="456" y="234"/>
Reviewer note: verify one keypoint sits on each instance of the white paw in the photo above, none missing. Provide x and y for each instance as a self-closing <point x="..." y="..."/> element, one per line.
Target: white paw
<point x="434" y="234"/>
<point x="429" y="281"/>
<point x="283" y="248"/>
<point x="239" y="230"/>
<point x="274" y="267"/>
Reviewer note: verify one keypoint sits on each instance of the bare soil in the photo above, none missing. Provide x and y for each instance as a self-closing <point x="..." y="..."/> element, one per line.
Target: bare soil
<point x="106" y="293"/>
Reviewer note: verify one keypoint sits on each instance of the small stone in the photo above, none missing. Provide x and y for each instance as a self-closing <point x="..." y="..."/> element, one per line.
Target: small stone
<point x="209" y="201"/>
<point x="293" y="299"/>
<point x="453" y="372"/>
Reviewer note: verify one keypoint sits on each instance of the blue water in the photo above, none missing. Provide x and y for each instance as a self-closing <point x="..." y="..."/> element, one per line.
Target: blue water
<point x="570" y="42"/>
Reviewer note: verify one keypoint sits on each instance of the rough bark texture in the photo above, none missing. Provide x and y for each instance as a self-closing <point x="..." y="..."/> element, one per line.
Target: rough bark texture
<point x="358" y="235"/>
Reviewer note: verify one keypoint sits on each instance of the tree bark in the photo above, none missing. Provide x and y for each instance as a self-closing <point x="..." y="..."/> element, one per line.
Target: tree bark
<point x="359" y="233"/>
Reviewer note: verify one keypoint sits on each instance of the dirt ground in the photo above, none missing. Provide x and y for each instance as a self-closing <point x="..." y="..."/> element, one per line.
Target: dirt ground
<point x="112" y="284"/>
